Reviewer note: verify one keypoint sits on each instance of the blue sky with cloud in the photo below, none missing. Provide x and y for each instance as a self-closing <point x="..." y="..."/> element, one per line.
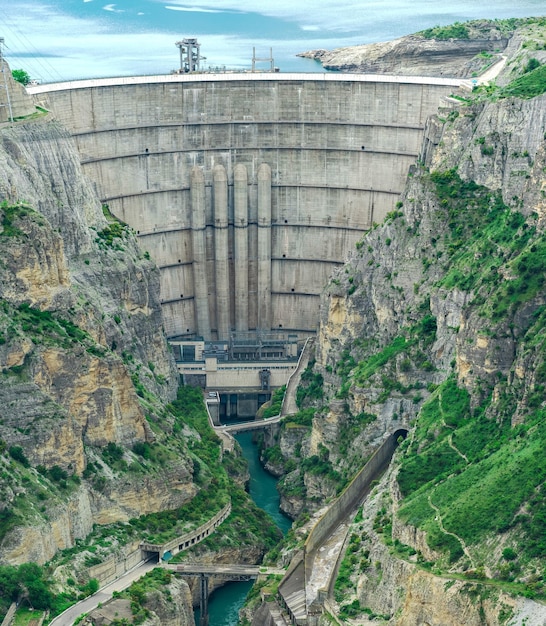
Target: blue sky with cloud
<point x="65" y="39"/>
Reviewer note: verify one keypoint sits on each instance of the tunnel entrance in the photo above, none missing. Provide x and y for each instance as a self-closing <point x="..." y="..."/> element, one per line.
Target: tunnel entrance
<point x="401" y="432"/>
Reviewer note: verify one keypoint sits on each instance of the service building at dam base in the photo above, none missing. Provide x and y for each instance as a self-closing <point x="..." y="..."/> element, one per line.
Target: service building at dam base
<point x="247" y="190"/>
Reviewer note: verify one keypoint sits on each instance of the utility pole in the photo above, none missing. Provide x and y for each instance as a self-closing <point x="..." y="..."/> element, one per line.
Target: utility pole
<point x="268" y="59"/>
<point x="4" y="68"/>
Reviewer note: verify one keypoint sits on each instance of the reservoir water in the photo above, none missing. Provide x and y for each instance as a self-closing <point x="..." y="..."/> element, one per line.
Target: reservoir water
<point x="225" y="603"/>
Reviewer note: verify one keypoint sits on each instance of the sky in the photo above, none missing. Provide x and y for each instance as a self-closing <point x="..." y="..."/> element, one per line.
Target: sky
<point x="66" y="39"/>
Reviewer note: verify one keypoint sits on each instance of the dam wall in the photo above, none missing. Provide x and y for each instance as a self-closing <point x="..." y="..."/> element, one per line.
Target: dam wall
<point x="246" y="189"/>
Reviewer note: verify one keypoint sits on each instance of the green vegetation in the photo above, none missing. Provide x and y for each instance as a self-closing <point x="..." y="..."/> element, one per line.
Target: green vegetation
<point x="276" y="403"/>
<point x="12" y="215"/>
<point x="115" y="234"/>
<point x="320" y="465"/>
<point x="311" y="386"/>
<point x="46" y="328"/>
<point x="247" y="525"/>
<point x="479" y="28"/>
<point x="454" y="31"/>
<point x="303" y="418"/>
<point x="26" y="616"/>
<point x="17" y="454"/>
<point x="351" y="427"/>
<point x="419" y="336"/>
<point x="8" y="520"/>
<point x="21" y="76"/>
<point x="32" y="586"/>
<point x="137" y="593"/>
<point x="531" y="84"/>
<point x="369" y="366"/>
<point x="484" y="476"/>
<point x="486" y="237"/>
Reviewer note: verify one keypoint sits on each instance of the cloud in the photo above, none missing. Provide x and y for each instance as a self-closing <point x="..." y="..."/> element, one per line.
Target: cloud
<point x="310" y="28"/>
<point x="329" y="15"/>
<point x="112" y="8"/>
<point x="193" y="9"/>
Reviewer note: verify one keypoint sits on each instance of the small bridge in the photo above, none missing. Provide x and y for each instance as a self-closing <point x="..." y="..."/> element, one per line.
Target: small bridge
<point x="254" y="425"/>
<point x="230" y="571"/>
<point x="235" y="572"/>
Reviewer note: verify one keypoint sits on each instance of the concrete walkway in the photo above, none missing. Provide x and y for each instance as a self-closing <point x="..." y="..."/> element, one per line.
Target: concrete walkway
<point x="289" y="406"/>
<point x="493" y="71"/>
<point x="250" y="76"/>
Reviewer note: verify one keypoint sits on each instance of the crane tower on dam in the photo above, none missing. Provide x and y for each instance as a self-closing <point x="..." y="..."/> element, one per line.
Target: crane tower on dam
<point x="190" y="55"/>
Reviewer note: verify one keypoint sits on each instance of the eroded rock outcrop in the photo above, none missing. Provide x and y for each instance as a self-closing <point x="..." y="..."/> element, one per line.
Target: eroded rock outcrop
<point x="82" y="343"/>
<point x="434" y="325"/>
<point x="463" y="50"/>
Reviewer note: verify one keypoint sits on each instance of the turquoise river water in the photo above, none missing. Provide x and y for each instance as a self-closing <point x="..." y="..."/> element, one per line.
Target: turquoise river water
<point x="225" y="603"/>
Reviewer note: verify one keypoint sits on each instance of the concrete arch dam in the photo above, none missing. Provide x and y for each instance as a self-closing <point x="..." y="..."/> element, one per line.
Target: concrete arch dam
<point x="246" y="189"/>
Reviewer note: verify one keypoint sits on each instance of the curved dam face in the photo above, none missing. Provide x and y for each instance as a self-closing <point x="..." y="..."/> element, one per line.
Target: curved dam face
<point x="246" y="189"/>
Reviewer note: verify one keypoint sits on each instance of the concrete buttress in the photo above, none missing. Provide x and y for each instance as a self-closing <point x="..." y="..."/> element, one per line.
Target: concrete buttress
<point x="199" y="253"/>
<point x="264" y="247"/>
<point x="240" y="241"/>
<point x="221" y="252"/>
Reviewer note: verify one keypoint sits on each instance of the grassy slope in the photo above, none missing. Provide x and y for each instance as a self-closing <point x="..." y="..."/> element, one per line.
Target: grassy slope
<point x="484" y="476"/>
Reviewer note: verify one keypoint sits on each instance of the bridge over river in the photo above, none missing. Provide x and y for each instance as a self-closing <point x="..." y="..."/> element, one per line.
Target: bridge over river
<point x="223" y="572"/>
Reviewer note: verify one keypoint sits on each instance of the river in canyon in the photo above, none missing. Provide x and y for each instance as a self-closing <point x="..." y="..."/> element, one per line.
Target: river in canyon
<point x="225" y="603"/>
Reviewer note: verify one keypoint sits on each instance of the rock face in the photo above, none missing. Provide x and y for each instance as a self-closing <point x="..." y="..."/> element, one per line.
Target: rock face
<point x="169" y="605"/>
<point x="81" y="344"/>
<point x="423" y="54"/>
<point x="409" y="56"/>
<point x="425" y="307"/>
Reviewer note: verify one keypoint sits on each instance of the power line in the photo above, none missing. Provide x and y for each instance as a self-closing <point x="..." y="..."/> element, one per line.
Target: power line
<point x="4" y="70"/>
<point x="36" y="56"/>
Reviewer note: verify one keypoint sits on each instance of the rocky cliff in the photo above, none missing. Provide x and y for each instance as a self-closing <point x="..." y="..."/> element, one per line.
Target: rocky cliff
<point x="84" y="365"/>
<point x="99" y="446"/>
<point x="159" y="598"/>
<point x="460" y="50"/>
<point x="436" y="324"/>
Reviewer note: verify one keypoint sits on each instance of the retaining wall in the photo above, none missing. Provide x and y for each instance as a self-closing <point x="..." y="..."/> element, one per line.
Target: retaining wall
<point x="8" y="618"/>
<point x="117" y="565"/>
<point x="191" y="538"/>
<point x="350" y="498"/>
